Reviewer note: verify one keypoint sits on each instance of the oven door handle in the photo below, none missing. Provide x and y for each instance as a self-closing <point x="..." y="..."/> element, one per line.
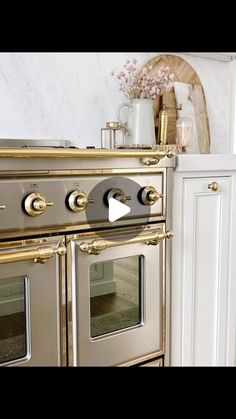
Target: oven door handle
<point x="38" y="255"/>
<point x="96" y="246"/>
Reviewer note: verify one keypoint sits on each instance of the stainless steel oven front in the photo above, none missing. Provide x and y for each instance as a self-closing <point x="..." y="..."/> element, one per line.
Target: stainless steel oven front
<point x="31" y="302"/>
<point x="103" y="303"/>
<point x="116" y="295"/>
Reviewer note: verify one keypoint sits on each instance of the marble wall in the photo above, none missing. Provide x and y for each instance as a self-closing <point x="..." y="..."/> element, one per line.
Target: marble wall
<point x="72" y="95"/>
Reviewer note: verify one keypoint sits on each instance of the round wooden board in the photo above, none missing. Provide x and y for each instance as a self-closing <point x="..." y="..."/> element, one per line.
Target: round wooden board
<point x="184" y="73"/>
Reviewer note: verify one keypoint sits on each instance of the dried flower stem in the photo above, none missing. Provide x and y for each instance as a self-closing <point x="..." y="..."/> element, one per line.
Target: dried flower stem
<point x="135" y="84"/>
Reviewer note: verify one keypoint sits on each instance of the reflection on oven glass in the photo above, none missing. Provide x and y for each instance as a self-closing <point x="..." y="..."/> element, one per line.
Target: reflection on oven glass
<point x="115" y="295"/>
<point x="12" y="319"/>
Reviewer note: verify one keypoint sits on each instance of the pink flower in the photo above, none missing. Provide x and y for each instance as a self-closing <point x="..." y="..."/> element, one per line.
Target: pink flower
<point x="139" y="84"/>
<point x="153" y="90"/>
<point x="130" y="67"/>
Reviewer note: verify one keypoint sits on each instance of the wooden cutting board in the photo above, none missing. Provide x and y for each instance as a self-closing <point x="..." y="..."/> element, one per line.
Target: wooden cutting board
<point x="184" y="73"/>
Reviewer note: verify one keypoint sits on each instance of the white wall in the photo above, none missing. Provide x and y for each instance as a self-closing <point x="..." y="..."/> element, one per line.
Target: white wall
<point x="233" y="107"/>
<point x="72" y="95"/>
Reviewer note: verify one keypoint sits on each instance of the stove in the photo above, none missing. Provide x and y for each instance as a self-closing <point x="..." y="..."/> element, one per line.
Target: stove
<point x="84" y="290"/>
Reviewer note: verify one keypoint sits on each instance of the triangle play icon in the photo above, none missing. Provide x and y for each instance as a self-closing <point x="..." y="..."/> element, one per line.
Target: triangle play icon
<point x="117" y="210"/>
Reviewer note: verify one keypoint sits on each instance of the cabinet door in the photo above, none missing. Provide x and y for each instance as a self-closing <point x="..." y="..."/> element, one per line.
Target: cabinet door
<point x="200" y="272"/>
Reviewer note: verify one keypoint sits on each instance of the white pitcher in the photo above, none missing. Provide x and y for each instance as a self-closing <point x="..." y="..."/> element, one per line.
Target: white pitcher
<point x="140" y="127"/>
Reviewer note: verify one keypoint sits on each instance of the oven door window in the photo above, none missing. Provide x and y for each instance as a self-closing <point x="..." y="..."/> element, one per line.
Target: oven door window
<point x="116" y="295"/>
<point x="13" y="319"/>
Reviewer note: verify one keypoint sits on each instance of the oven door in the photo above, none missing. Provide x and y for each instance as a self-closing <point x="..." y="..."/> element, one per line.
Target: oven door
<point x="30" y="302"/>
<point x="117" y="296"/>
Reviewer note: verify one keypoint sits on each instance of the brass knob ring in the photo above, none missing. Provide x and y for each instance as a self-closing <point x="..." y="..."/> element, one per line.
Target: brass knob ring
<point x="78" y="201"/>
<point x="150" y="196"/>
<point x="36" y="203"/>
<point x="117" y="194"/>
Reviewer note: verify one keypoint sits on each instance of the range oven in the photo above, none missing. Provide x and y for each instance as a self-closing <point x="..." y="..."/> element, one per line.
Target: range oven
<point x="75" y="288"/>
<point x="31" y="290"/>
<point x="118" y="299"/>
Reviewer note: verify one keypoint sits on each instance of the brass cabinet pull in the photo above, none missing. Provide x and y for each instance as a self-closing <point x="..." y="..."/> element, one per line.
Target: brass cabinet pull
<point x="2" y="207"/>
<point x="38" y="255"/>
<point x="96" y="246"/>
<point x="214" y="186"/>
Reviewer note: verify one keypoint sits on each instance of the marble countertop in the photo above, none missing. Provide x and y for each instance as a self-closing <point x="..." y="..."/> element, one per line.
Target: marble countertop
<point x="205" y="162"/>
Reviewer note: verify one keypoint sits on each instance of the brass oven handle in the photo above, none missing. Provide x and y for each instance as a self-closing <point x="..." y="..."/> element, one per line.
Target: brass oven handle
<point x="38" y="255"/>
<point x="96" y="246"/>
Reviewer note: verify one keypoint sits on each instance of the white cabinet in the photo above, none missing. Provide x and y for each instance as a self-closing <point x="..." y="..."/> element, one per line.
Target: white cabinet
<point x="203" y="295"/>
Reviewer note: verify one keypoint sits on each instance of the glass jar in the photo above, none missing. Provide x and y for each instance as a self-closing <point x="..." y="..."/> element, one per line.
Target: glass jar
<point x="112" y="136"/>
<point x="184" y="132"/>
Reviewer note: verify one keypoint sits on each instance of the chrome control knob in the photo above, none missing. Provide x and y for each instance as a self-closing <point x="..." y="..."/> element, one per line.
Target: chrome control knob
<point x="78" y="201"/>
<point x="36" y="203"/>
<point x="117" y="194"/>
<point x="149" y="195"/>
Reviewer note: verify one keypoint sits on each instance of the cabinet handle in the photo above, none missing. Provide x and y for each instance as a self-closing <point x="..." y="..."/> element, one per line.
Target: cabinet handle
<point x="213" y="186"/>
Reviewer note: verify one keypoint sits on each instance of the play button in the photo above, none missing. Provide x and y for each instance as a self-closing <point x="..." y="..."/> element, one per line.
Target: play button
<point x="115" y="201"/>
<point x="117" y="210"/>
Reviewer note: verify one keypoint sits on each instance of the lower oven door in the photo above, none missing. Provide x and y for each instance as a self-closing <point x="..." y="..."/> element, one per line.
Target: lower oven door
<point x="117" y="296"/>
<point x="30" y="302"/>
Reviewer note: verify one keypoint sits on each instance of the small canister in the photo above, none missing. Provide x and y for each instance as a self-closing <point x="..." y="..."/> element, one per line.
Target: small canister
<point x="112" y="136"/>
<point x="163" y="125"/>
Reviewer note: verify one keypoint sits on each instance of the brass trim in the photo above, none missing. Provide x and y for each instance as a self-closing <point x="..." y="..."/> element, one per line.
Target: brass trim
<point x="96" y="246"/>
<point x="29" y="242"/>
<point x="164" y="294"/>
<point x="63" y="317"/>
<point x="38" y="255"/>
<point x="91" y="234"/>
<point x="153" y="363"/>
<point x="6" y="234"/>
<point x="142" y="359"/>
<point x="71" y="309"/>
<point x="12" y="152"/>
<point x="79" y="172"/>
